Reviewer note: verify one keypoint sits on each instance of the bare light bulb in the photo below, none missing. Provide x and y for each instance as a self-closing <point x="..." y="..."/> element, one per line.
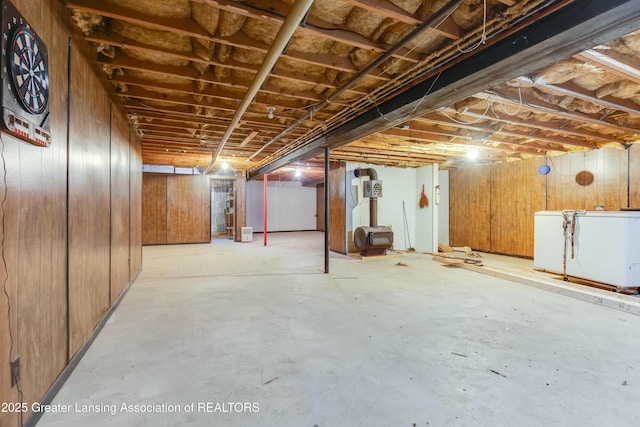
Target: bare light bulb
<point x="224" y="166"/>
<point x="473" y="154"/>
<point x="298" y="174"/>
<point x="271" y="109"/>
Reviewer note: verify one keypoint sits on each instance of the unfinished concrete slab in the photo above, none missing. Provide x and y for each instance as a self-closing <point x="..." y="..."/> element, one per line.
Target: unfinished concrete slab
<point x="374" y="343"/>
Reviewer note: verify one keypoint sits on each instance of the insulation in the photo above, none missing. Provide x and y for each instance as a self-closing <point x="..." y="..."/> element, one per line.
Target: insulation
<point x="363" y="22"/>
<point x="333" y="11"/>
<point x="230" y="23"/>
<point x="156" y="38"/>
<point x="89" y="23"/>
<point x="206" y="16"/>
<point x="228" y="31"/>
<point x="262" y="31"/>
<point x="565" y="71"/>
<point x="621" y="89"/>
<point x="162" y="8"/>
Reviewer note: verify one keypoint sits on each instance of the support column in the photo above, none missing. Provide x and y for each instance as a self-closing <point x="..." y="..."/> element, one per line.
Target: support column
<point x="264" y="208"/>
<point x="326" y="209"/>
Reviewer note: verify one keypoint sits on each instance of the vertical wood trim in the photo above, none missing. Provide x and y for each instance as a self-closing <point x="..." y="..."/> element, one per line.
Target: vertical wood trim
<point x="337" y="208"/>
<point x="240" y="207"/>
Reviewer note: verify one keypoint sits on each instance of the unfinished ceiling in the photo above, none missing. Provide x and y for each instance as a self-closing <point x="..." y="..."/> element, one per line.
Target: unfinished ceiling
<point x="183" y="71"/>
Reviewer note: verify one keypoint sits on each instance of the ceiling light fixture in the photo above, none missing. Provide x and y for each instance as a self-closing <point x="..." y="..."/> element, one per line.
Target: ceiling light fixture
<point x="473" y="154"/>
<point x="271" y="109"/>
<point x="298" y="173"/>
<point x="224" y="166"/>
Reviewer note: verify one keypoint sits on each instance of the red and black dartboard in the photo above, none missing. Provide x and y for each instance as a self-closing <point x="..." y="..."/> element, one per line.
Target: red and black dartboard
<point x="27" y="66"/>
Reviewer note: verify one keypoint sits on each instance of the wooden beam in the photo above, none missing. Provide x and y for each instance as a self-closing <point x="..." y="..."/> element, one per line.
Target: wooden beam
<point x="623" y="66"/>
<point x="208" y="77"/>
<point x="188" y="27"/>
<point x="214" y="92"/>
<point x="575" y="91"/>
<point x="555" y="126"/>
<point x="444" y="120"/>
<point x="511" y="97"/>
<point x="248" y="138"/>
<point x="534" y="45"/>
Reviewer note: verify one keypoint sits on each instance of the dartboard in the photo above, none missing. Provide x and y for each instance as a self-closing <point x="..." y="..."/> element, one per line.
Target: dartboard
<point x="28" y="69"/>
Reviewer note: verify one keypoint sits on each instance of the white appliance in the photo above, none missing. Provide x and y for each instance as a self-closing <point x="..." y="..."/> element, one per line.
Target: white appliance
<point x="246" y="234"/>
<point x="606" y="245"/>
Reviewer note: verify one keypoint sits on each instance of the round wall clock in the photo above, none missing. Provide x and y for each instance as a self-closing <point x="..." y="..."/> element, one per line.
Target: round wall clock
<point x="27" y="67"/>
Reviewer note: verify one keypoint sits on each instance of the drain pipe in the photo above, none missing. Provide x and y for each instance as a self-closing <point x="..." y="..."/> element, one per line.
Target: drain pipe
<point x="373" y="201"/>
<point x="294" y="17"/>
<point x="439" y="15"/>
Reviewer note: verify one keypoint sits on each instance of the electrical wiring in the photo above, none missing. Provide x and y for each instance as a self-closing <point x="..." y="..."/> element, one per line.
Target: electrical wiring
<point x="462" y="122"/>
<point x="503" y="107"/>
<point x="483" y="38"/>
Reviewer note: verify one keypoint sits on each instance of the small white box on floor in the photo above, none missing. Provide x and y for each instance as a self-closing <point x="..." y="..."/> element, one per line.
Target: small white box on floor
<point x="246" y="234"/>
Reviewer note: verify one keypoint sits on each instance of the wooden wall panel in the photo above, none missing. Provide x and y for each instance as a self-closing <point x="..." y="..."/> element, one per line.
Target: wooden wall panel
<point x="320" y="207"/>
<point x="469" y="209"/>
<point x="47" y="228"/>
<point x="517" y="191"/>
<point x="188" y="209"/>
<point x="135" y="204"/>
<point x="176" y="209"/>
<point x="610" y="179"/>
<point x="120" y="228"/>
<point x="634" y="176"/>
<point x="34" y="218"/>
<point x="337" y="208"/>
<point x="89" y="199"/>
<point x="241" y="206"/>
<point x="154" y="209"/>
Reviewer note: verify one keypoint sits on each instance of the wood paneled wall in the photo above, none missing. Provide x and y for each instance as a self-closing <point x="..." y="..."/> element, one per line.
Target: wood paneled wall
<point x="135" y="206"/>
<point x="320" y="207"/>
<point x="57" y="242"/>
<point x="470" y="207"/>
<point x="610" y="180"/>
<point x="240" y="206"/>
<point x="337" y="208"/>
<point x="634" y="176"/>
<point x="176" y="209"/>
<point x="188" y="209"/>
<point x="154" y="209"/>
<point x="492" y="207"/>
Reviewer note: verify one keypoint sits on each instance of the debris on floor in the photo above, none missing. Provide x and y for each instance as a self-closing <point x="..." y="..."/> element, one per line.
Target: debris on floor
<point x="401" y="264"/>
<point x="497" y="373"/>
<point x="458" y="354"/>
<point x="270" y="381"/>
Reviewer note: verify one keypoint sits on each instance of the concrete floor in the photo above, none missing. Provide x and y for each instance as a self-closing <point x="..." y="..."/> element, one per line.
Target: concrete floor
<point x="371" y="344"/>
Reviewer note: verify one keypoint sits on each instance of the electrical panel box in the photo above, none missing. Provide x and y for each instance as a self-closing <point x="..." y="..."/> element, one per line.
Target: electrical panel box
<point x="372" y="188"/>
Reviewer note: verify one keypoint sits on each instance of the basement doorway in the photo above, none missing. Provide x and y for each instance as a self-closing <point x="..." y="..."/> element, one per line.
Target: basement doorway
<point x="223" y="208"/>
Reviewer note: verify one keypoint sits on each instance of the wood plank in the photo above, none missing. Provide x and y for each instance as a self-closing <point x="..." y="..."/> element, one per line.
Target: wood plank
<point x="120" y="210"/>
<point x="135" y="205"/>
<point x="634" y="176"/>
<point x="337" y="209"/>
<point x="89" y="199"/>
<point x="188" y="209"/>
<point x="320" y="207"/>
<point x="154" y="209"/>
<point x="240" y="206"/>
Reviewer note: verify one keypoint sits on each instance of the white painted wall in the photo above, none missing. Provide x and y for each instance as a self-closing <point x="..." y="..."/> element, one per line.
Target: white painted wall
<point x="427" y="218"/>
<point x="443" y="208"/>
<point x="290" y="206"/>
<point x="397" y="186"/>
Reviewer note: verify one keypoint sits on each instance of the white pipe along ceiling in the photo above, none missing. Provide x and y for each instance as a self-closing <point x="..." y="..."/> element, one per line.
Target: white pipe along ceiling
<point x="297" y="13"/>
